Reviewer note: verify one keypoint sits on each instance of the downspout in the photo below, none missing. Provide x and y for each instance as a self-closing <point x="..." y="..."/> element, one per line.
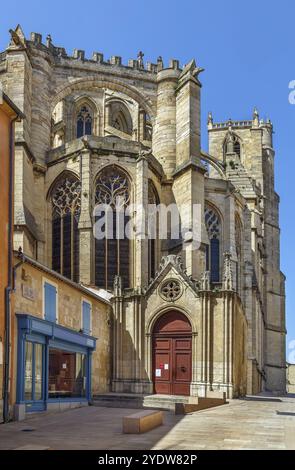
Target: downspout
<point x="8" y="289"/>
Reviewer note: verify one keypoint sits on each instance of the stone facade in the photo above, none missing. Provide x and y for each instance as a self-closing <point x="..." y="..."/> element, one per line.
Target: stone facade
<point x="145" y="121"/>
<point x="8" y="114"/>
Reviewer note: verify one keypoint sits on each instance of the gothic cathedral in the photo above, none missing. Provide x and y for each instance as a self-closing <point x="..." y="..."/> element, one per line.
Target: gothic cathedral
<point x="185" y="321"/>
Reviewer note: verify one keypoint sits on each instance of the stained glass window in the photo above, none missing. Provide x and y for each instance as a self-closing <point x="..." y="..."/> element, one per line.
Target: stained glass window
<point x="112" y="251"/>
<point x="66" y="202"/>
<point x="84" y="122"/>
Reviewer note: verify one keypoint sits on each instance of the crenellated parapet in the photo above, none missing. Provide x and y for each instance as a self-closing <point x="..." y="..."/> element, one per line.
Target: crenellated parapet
<point x="58" y="52"/>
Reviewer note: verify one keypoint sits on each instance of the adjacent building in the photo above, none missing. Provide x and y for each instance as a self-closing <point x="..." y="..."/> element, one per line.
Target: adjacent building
<point x="185" y="319"/>
<point x="61" y="340"/>
<point x="9" y="113"/>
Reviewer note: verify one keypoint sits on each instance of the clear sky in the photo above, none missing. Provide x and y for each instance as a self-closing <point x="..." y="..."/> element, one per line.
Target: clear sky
<point x="247" y="50"/>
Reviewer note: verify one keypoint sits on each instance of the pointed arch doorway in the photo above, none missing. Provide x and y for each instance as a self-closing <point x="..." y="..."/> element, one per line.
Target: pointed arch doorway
<point x="172" y="354"/>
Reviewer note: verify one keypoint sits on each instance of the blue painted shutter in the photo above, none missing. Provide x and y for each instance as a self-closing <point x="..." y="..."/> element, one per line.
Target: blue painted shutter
<point x="50" y="302"/>
<point x="86" y="317"/>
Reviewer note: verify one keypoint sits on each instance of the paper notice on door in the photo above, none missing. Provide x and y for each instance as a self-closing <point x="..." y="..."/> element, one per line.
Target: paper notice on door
<point x="166" y="366"/>
<point x="158" y="372"/>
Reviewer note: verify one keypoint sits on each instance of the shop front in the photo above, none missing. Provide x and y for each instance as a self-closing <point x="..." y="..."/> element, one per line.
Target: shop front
<point x="53" y="364"/>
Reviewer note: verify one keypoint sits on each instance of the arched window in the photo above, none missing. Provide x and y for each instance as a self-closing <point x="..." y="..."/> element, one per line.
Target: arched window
<point x="112" y="252"/>
<point x="213" y="226"/>
<point x="153" y="201"/>
<point x="84" y="121"/>
<point x="120" y="117"/>
<point x="66" y="203"/>
<point x="232" y="144"/>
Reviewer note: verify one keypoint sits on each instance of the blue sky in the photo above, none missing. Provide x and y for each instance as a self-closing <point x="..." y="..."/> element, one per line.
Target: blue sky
<point x="247" y="50"/>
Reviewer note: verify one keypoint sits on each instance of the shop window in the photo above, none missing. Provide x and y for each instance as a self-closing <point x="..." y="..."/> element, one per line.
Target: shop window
<point x="86" y="317"/>
<point x="67" y="374"/>
<point x="33" y="377"/>
<point x="50" y="302"/>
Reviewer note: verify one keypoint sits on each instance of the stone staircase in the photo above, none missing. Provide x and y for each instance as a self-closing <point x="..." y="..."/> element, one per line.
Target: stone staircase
<point x="137" y="401"/>
<point x="242" y="181"/>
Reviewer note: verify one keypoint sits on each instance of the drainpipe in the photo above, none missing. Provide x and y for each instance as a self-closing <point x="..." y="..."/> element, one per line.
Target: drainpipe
<point x="8" y="289"/>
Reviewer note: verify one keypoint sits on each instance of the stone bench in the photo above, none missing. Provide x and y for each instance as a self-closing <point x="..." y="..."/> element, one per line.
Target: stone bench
<point x="142" y="421"/>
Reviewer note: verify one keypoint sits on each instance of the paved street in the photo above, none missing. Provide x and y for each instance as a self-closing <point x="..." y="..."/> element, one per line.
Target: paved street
<point x="254" y="423"/>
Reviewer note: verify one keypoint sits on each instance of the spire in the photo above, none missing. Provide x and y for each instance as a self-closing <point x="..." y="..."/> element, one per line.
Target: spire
<point x="140" y="57"/>
<point x="255" y="117"/>
<point x="17" y="37"/>
<point x="48" y="41"/>
<point x="210" y="120"/>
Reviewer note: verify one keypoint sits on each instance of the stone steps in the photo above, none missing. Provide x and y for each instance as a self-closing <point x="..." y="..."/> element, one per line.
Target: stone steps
<point x="136" y="401"/>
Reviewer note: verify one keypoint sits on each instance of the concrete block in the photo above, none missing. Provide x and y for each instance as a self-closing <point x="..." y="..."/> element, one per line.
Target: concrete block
<point x="19" y="412"/>
<point x="142" y="421"/>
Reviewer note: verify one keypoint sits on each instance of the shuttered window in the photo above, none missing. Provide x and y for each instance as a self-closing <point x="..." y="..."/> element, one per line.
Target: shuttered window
<point x="86" y="317"/>
<point x="50" y="302"/>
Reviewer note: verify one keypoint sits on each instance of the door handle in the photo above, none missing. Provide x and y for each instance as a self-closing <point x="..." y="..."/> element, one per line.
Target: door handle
<point x="183" y="369"/>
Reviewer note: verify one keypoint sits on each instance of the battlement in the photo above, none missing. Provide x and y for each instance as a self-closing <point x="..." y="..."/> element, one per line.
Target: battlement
<point x="17" y="37"/>
<point x="246" y="124"/>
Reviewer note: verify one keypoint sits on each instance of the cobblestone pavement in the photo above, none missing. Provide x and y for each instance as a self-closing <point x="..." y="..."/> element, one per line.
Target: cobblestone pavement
<point x="253" y="423"/>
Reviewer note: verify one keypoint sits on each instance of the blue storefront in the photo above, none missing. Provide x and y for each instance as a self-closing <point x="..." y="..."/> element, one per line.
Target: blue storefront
<point x="53" y="364"/>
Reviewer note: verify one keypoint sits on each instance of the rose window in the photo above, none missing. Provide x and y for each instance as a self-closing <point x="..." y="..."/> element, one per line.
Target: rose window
<point x="171" y="290"/>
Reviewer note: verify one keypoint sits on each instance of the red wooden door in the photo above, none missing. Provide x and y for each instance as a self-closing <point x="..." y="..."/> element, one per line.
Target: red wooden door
<point x="172" y="355"/>
<point x="181" y="366"/>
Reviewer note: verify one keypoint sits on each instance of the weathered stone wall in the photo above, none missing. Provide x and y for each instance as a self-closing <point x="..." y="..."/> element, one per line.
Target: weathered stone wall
<point x="253" y="174"/>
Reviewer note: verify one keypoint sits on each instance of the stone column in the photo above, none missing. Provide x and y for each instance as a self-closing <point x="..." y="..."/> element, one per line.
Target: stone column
<point x="85" y="222"/>
<point x="106" y="116"/>
<point x="188" y="124"/>
<point x="203" y="346"/>
<point x="228" y="344"/>
<point x="164" y="134"/>
<point x="141" y="125"/>
<point x="230" y="235"/>
<point x="141" y="221"/>
<point x="188" y="190"/>
<point x="188" y="186"/>
<point x="195" y="365"/>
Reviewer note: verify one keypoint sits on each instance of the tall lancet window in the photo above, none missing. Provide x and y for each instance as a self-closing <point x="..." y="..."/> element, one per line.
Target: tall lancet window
<point x="213" y="226"/>
<point x="66" y="203"/>
<point x="153" y="201"/>
<point x="84" y="121"/>
<point x="112" y="250"/>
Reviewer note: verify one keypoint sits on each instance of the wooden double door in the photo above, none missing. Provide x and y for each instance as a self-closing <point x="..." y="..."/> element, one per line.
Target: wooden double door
<point x="172" y="355"/>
